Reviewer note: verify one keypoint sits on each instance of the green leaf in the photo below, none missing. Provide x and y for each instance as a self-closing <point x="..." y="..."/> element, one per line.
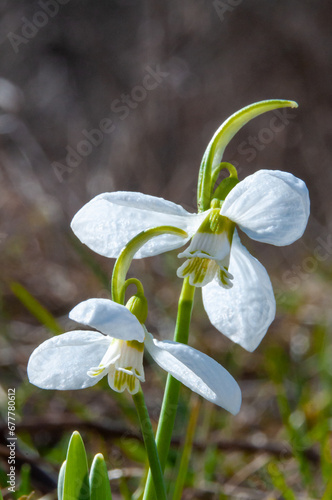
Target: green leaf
<point x="25" y="484"/>
<point x="100" y="488"/>
<point x="35" y="307"/>
<point x="216" y="147"/>
<point x="61" y="480"/>
<point x="76" y="482"/>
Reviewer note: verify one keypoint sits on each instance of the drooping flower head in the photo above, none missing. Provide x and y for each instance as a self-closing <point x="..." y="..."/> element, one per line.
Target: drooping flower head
<point x="79" y="359"/>
<point x="209" y="252"/>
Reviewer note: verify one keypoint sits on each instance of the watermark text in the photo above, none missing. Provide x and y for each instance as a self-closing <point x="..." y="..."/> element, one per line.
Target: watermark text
<point x="11" y="441"/>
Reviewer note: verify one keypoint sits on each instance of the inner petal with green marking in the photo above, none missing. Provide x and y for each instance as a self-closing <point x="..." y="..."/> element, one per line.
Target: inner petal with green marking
<point x="123" y="363"/>
<point x="209" y="250"/>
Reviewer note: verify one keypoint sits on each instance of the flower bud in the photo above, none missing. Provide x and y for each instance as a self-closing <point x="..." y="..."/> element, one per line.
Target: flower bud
<point x="138" y="306"/>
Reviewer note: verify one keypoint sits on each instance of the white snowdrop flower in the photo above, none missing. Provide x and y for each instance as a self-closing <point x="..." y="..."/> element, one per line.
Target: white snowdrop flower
<point x="79" y="359"/>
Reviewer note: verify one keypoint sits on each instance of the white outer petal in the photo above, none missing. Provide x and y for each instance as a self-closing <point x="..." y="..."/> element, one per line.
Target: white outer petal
<point x="110" y="220"/>
<point x="62" y="362"/>
<point x="269" y="206"/>
<point x="108" y="317"/>
<point x="244" y="312"/>
<point x="197" y="371"/>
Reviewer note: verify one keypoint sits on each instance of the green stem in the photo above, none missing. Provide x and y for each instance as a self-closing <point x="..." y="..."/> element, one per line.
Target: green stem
<point x="172" y="390"/>
<point x="231" y="170"/>
<point x="137" y="283"/>
<point x="187" y="447"/>
<point x="150" y="445"/>
<point x="123" y="262"/>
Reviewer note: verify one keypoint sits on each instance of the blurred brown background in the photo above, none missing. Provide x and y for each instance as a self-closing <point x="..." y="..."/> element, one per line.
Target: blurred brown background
<point x="125" y="95"/>
<point x="69" y="66"/>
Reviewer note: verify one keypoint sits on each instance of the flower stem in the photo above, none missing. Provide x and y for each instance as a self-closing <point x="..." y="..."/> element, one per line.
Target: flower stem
<point x="123" y="262"/>
<point x="172" y="390"/>
<point x="150" y="445"/>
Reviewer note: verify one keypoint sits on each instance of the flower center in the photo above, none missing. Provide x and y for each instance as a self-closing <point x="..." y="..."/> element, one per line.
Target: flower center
<point x="209" y="251"/>
<point x="123" y="363"/>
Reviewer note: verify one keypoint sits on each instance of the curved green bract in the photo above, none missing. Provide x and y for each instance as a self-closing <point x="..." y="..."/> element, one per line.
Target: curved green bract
<point x="126" y="256"/>
<point x="216" y="147"/>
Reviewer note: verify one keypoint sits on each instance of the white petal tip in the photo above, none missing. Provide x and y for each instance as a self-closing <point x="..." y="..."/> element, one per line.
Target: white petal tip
<point x="235" y="408"/>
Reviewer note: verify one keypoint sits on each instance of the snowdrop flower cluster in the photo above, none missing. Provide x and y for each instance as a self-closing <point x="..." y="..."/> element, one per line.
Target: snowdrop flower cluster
<point x="269" y="206"/>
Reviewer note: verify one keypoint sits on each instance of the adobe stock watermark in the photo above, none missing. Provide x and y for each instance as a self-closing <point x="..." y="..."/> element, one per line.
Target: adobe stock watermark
<point x="121" y="108"/>
<point x="30" y="27"/>
<point x="254" y="144"/>
<point x="250" y="147"/>
<point x="323" y="250"/>
<point x="294" y="277"/>
<point x="224" y="6"/>
<point x="11" y="438"/>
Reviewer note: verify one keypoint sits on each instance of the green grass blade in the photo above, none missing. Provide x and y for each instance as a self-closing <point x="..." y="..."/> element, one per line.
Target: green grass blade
<point x="187" y="447"/>
<point x="328" y="490"/>
<point x="100" y="488"/>
<point x="76" y="482"/>
<point x="35" y="308"/>
<point x="279" y="482"/>
<point x="90" y="261"/>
